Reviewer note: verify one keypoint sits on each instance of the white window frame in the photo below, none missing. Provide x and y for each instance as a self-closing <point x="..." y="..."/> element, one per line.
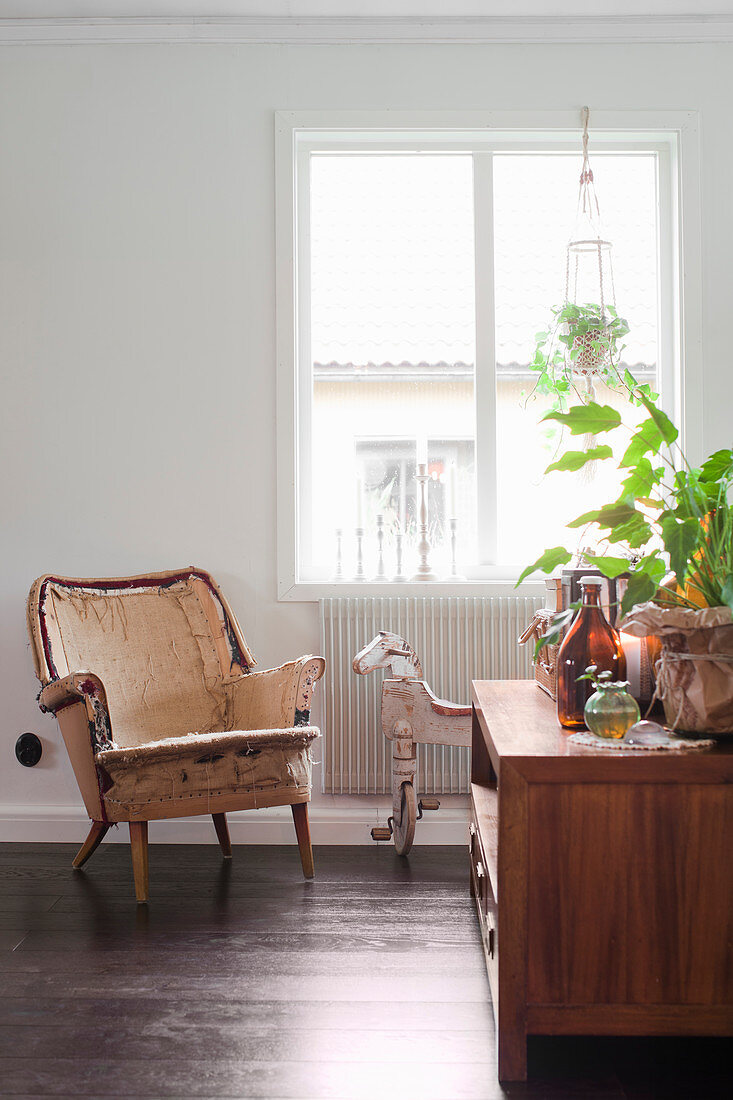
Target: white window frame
<point x="673" y="135"/>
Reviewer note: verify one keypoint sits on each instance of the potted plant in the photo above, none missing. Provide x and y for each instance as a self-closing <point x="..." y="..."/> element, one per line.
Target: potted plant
<point x="582" y="343"/>
<point x="671" y="530"/>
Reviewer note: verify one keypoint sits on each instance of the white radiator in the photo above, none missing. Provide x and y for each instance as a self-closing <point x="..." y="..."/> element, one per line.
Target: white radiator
<point x="457" y="638"/>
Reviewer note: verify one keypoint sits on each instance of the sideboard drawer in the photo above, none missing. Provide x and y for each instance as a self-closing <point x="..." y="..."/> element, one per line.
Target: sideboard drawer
<point x="484" y="898"/>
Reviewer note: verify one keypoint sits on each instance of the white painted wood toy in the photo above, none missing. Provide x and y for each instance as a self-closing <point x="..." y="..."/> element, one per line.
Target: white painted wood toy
<point x="411" y="715"/>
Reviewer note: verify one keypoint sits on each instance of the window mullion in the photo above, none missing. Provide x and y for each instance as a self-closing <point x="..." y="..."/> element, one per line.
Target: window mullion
<point x="485" y="366"/>
<point x="304" y="359"/>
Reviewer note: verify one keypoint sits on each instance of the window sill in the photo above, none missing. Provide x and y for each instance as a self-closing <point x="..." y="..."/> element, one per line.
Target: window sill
<point x="499" y="582"/>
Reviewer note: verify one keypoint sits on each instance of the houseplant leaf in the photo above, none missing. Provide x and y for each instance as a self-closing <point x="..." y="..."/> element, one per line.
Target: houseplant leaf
<point x="666" y="428"/>
<point x="645" y="439"/>
<point x="575" y="460"/>
<point x="549" y="561"/>
<point x="590" y="419"/>
<point x="640" y="482"/>
<point x="608" y="565"/>
<point x="640" y="588"/>
<point x="623" y="522"/>
<point x="727" y="591"/>
<point x="560" y="620"/>
<point x="718" y="465"/>
<point x="680" y="539"/>
<point x="609" y="516"/>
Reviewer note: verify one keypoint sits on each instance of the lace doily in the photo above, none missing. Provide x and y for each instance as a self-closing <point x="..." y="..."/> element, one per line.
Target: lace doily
<point x="656" y="742"/>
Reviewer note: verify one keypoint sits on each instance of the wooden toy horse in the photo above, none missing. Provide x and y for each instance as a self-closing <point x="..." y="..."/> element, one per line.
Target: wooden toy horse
<point x="411" y="715"/>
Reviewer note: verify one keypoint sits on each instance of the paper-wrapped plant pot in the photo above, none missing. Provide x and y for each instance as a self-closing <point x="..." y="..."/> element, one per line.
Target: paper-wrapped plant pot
<point x="695" y="668"/>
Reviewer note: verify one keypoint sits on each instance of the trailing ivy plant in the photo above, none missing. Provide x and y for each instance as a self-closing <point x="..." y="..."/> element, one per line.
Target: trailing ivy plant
<point x="668" y="518"/>
<point x="577" y="333"/>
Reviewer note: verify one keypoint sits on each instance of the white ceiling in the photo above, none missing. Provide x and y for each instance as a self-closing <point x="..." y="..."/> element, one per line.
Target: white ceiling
<point x="350" y="9"/>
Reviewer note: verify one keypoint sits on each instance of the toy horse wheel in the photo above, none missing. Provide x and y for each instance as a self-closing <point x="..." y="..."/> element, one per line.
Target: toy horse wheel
<point x="404" y="830"/>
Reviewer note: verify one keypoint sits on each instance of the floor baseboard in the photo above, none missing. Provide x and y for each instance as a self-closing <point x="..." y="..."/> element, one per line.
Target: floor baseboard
<point x="340" y="819"/>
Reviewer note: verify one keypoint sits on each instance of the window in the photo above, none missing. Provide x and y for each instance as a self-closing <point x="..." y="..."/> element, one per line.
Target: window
<point x="415" y="270"/>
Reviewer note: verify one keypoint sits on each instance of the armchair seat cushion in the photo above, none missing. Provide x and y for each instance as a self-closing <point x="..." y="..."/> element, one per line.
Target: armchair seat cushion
<point x="246" y="763"/>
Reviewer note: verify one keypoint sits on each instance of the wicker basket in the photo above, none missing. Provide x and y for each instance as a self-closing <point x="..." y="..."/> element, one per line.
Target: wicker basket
<point x="545" y="667"/>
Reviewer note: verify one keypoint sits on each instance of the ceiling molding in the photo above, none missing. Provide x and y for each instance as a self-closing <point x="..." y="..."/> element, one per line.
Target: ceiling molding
<point x="337" y="31"/>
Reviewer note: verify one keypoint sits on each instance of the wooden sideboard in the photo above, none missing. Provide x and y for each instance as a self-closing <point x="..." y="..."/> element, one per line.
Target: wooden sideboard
<point x="603" y="881"/>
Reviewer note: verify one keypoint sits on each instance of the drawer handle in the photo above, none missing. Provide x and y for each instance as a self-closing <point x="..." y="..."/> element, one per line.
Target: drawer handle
<point x="480" y="873"/>
<point x="472" y="829"/>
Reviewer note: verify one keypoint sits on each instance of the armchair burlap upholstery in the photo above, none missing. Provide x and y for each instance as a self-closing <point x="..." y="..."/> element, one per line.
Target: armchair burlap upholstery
<point x="151" y="680"/>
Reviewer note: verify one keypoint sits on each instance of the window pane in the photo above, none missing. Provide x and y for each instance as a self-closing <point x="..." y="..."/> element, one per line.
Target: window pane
<point x="392" y="344"/>
<point x="534" y="213"/>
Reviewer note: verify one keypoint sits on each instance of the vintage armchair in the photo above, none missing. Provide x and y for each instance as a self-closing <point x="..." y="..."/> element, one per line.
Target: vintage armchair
<point x="150" y="680"/>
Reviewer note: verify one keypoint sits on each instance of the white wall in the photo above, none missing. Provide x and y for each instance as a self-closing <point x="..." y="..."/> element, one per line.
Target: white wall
<point x="137" y="316"/>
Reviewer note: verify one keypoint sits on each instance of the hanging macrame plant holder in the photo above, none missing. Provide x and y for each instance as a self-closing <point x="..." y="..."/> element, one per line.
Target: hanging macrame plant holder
<point x="589" y="278"/>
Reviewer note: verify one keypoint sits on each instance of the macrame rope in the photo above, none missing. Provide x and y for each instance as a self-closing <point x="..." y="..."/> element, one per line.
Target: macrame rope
<point x="672" y="656"/>
<point x="588" y="205"/>
<point x="587" y="193"/>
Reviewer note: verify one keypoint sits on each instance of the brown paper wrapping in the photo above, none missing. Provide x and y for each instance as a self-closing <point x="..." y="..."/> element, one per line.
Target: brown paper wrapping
<point x="695" y="668"/>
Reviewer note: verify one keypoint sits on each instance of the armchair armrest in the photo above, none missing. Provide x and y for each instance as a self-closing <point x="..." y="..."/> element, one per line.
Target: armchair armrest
<point x="276" y="698"/>
<point x="86" y="688"/>
<point x="58" y="694"/>
<point x="79" y="702"/>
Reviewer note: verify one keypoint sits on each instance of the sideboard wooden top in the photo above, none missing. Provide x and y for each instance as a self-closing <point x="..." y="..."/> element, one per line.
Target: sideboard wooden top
<point x="521" y="721"/>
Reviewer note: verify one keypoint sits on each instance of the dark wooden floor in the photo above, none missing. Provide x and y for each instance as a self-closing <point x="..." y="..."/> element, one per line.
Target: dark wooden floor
<point x="242" y="980"/>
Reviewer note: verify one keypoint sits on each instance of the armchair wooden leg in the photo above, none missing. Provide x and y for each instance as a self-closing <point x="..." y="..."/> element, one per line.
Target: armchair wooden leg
<point x="139" y="851"/>
<point x="96" y="835"/>
<point x="222" y="831"/>
<point x="303" y="833"/>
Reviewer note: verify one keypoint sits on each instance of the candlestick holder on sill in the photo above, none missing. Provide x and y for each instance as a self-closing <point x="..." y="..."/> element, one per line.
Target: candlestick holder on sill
<point x="399" y="576"/>
<point x="454" y="575"/>
<point x="360" y="575"/>
<point x="339" y="570"/>
<point x="424" y="572"/>
<point x="381" y="574"/>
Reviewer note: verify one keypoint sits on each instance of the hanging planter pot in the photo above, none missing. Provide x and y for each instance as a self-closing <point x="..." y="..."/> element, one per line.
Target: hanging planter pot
<point x="583" y="344"/>
<point x="593" y="351"/>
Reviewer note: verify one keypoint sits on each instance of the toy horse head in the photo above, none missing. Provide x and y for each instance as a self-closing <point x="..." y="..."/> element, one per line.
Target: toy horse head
<point x="388" y="650"/>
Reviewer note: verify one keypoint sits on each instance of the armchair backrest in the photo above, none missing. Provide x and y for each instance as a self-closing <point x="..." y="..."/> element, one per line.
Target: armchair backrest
<point x="163" y="645"/>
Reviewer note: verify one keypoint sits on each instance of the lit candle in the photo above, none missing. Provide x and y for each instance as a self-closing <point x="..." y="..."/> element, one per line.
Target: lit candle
<point x="632" y="651"/>
<point x="359" y="504"/>
<point x="452" y="491"/>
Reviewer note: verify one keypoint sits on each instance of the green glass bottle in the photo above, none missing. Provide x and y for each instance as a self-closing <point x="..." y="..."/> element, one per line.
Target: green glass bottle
<point x="611" y="711"/>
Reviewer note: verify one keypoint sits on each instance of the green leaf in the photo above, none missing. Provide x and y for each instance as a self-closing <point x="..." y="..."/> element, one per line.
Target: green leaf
<point x="639" y="589"/>
<point x="559" y="621"/>
<point x="680" y="541"/>
<point x="728" y="591"/>
<point x="547" y="562"/>
<point x="610" y="516"/>
<point x="590" y="419"/>
<point x="667" y="429"/>
<point x="623" y="522"/>
<point x="609" y="566"/>
<point x="647" y="438"/>
<point x="653" y="566"/>
<point x="634" y="534"/>
<point x="691" y="501"/>
<point x="718" y="466"/>
<point x="575" y="460"/>
<point x="640" y="482"/>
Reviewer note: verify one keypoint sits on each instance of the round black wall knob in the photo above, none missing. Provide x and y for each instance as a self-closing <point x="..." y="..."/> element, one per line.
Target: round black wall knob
<point x="28" y="749"/>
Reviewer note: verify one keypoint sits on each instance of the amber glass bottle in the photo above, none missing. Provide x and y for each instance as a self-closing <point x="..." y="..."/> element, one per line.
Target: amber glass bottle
<point x="591" y="640"/>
